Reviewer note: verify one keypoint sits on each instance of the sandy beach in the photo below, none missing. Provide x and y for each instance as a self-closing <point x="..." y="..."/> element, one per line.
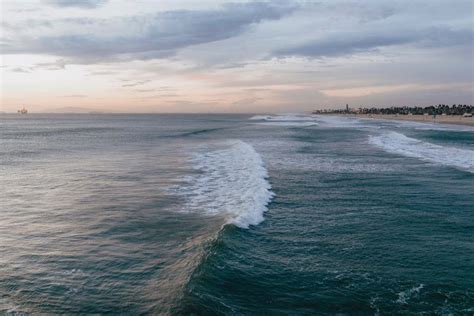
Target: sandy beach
<point x="444" y="119"/>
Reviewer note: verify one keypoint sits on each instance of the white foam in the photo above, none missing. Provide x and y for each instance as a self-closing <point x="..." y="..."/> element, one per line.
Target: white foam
<point x="287" y="120"/>
<point x="289" y="124"/>
<point x="283" y="117"/>
<point x="406" y="295"/>
<point x="287" y="155"/>
<point x="400" y="144"/>
<point x="435" y="126"/>
<point x="260" y="117"/>
<point x="341" y="121"/>
<point x="231" y="181"/>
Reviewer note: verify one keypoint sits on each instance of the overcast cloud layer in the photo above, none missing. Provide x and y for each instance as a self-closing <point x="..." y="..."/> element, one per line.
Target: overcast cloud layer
<point x="148" y="36"/>
<point x="76" y="3"/>
<point x="235" y="56"/>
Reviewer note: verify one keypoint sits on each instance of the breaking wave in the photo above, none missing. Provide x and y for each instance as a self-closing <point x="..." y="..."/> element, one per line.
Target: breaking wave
<point x="404" y="296"/>
<point x="333" y="121"/>
<point x="289" y="124"/>
<point x="232" y="182"/>
<point x="283" y="118"/>
<point x="287" y="120"/>
<point x="428" y="126"/>
<point x="400" y="144"/>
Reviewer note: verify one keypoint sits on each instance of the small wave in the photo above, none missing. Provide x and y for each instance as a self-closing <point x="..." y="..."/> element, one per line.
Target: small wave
<point x="260" y="117"/>
<point x="404" y="296"/>
<point x="7" y="307"/>
<point x="341" y="121"/>
<point x="429" y="126"/>
<point x="47" y="132"/>
<point x="289" y="124"/>
<point x="195" y="132"/>
<point x="400" y="144"/>
<point x="286" y="120"/>
<point x="283" y="118"/>
<point x="231" y="182"/>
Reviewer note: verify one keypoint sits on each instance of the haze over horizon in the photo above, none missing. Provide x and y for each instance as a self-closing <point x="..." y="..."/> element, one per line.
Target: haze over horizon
<point x="241" y="56"/>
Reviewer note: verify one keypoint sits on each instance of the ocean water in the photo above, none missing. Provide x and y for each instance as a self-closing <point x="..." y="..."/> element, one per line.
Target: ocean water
<point x="235" y="215"/>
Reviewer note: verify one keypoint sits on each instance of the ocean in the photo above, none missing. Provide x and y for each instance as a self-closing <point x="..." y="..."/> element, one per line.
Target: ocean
<point x="235" y="215"/>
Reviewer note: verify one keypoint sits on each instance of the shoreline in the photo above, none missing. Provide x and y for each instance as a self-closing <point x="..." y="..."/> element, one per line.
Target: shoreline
<point x="440" y="119"/>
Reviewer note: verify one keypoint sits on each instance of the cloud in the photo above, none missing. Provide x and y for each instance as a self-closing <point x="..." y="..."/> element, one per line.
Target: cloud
<point x="338" y="52"/>
<point x="330" y="47"/>
<point x="136" y="83"/>
<point x="56" y="65"/>
<point x="84" y="4"/>
<point x="20" y="70"/>
<point x="163" y="88"/>
<point x="348" y="43"/>
<point x="158" y="35"/>
<point x="144" y="90"/>
<point x="74" y="96"/>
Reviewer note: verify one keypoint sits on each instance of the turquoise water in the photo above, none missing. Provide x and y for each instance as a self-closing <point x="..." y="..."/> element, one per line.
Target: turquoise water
<point x="235" y="214"/>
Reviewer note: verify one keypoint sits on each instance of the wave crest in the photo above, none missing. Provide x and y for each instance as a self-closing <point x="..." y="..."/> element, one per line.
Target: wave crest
<point x="404" y="296"/>
<point x="283" y="118"/>
<point x="232" y="182"/>
<point x="286" y="120"/>
<point x="400" y="144"/>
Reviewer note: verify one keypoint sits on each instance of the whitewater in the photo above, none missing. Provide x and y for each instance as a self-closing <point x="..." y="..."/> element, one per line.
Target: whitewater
<point x="397" y="143"/>
<point x="232" y="182"/>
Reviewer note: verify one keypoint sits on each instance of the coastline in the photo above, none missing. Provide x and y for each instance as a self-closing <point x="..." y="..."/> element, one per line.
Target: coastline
<point x="442" y="119"/>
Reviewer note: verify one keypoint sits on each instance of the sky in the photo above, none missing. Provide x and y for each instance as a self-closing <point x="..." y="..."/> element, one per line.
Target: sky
<point x="240" y="56"/>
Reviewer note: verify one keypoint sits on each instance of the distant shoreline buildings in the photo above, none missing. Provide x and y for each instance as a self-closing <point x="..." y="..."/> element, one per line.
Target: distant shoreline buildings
<point x="440" y="109"/>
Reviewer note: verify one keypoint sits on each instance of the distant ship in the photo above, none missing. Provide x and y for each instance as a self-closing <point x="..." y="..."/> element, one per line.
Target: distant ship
<point x="23" y="111"/>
